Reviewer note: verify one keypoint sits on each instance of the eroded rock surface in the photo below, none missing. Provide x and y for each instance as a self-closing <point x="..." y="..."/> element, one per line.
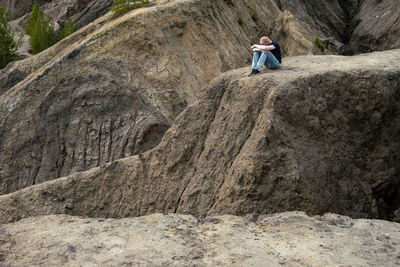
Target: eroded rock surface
<point x="112" y="89"/>
<point x="81" y="11"/>
<point x="287" y="239"/>
<point x="321" y="134"/>
<point x="349" y="27"/>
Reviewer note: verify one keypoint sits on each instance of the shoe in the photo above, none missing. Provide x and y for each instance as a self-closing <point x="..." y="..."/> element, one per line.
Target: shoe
<point x="254" y="72"/>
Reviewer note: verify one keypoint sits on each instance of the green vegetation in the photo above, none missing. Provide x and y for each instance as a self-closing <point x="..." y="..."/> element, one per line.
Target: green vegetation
<point x="67" y="29"/>
<point x="42" y="35"/>
<point x="254" y="17"/>
<point x="240" y="21"/>
<point x="8" y="47"/>
<point x="320" y="44"/>
<point x="40" y="30"/>
<point x="121" y="7"/>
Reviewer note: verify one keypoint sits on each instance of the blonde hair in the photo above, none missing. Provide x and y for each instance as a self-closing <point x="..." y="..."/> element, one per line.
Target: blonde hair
<point x="265" y="39"/>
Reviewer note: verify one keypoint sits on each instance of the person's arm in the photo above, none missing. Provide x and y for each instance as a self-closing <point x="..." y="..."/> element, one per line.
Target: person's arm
<point x="253" y="48"/>
<point x="264" y="48"/>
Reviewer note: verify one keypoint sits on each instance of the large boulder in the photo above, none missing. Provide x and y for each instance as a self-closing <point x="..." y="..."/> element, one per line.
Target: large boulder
<point x="321" y="134"/>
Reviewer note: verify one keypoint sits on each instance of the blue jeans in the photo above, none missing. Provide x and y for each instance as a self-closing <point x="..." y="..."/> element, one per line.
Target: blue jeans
<point x="261" y="58"/>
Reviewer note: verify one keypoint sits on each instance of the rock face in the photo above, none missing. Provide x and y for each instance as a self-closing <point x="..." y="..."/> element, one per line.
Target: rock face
<point x="376" y="27"/>
<point x="288" y="239"/>
<point x="19" y="8"/>
<point x="304" y="137"/>
<point x="349" y="27"/>
<point x="81" y="11"/>
<point x="114" y="87"/>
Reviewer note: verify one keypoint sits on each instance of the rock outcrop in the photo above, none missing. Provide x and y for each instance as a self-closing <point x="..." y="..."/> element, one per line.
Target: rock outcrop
<point x="112" y="89"/>
<point x="304" y="137"/>
<point x="288" y="239"/>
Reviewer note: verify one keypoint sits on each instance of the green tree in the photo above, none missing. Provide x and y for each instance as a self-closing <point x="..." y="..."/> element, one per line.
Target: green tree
<point x="32" y="19"/>
<point x="8" y="46"/>
<point x="67" y="29"/>
<point x="121" y="7"/>
<point x="40" y="30"/>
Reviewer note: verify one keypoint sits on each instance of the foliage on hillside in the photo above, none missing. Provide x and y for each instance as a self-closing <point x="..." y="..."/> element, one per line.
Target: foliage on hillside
<point x="40" y="30"/>
<point x="8" y="46"/>
<point x="42" y="35"/>
<point x="67" y="29"/>
<point x="121" y="7"/>
<point x="320" y="44"/>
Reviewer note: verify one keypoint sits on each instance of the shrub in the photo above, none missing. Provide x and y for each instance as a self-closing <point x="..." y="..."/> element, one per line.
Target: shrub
<point x="40" y="30"/>
<point x="67" y="29"/>
<point x="121" y="7"/>
<point x="320" y="44"/>
<point x="8" y="47"/>
<point x="254" y="17"/>
<point x="240" y="21"/>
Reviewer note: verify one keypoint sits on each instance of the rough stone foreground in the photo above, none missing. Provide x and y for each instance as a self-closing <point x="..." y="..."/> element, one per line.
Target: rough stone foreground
<point x="287" y="239"/>
<point x="322" y="134"/>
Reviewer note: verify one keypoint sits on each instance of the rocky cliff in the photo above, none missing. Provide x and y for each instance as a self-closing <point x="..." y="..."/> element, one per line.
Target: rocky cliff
<point x="154" y="112"/>
<point x="304" y="137"/>
<point x="112" y="89"/>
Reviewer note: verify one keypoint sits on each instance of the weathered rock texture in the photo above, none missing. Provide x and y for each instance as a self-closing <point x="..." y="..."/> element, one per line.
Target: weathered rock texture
<point x="319" y="135"/>
<point x="81" y="11"/>
<point x="288" y="239"/>
<point x="376" y="27"/>
<point x="349" y="27"/>
<point x="112" y="89"/>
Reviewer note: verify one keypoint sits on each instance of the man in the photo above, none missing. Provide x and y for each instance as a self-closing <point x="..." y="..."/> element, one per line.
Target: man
<point x="267" y="52"/>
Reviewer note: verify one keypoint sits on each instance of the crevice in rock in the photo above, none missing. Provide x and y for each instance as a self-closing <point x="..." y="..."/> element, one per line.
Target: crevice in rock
<point x="387" y="194"/>
<point x="351" y="9"/>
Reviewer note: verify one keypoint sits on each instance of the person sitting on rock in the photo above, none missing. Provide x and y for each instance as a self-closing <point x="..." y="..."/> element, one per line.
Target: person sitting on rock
<point x="267" y="52"/>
